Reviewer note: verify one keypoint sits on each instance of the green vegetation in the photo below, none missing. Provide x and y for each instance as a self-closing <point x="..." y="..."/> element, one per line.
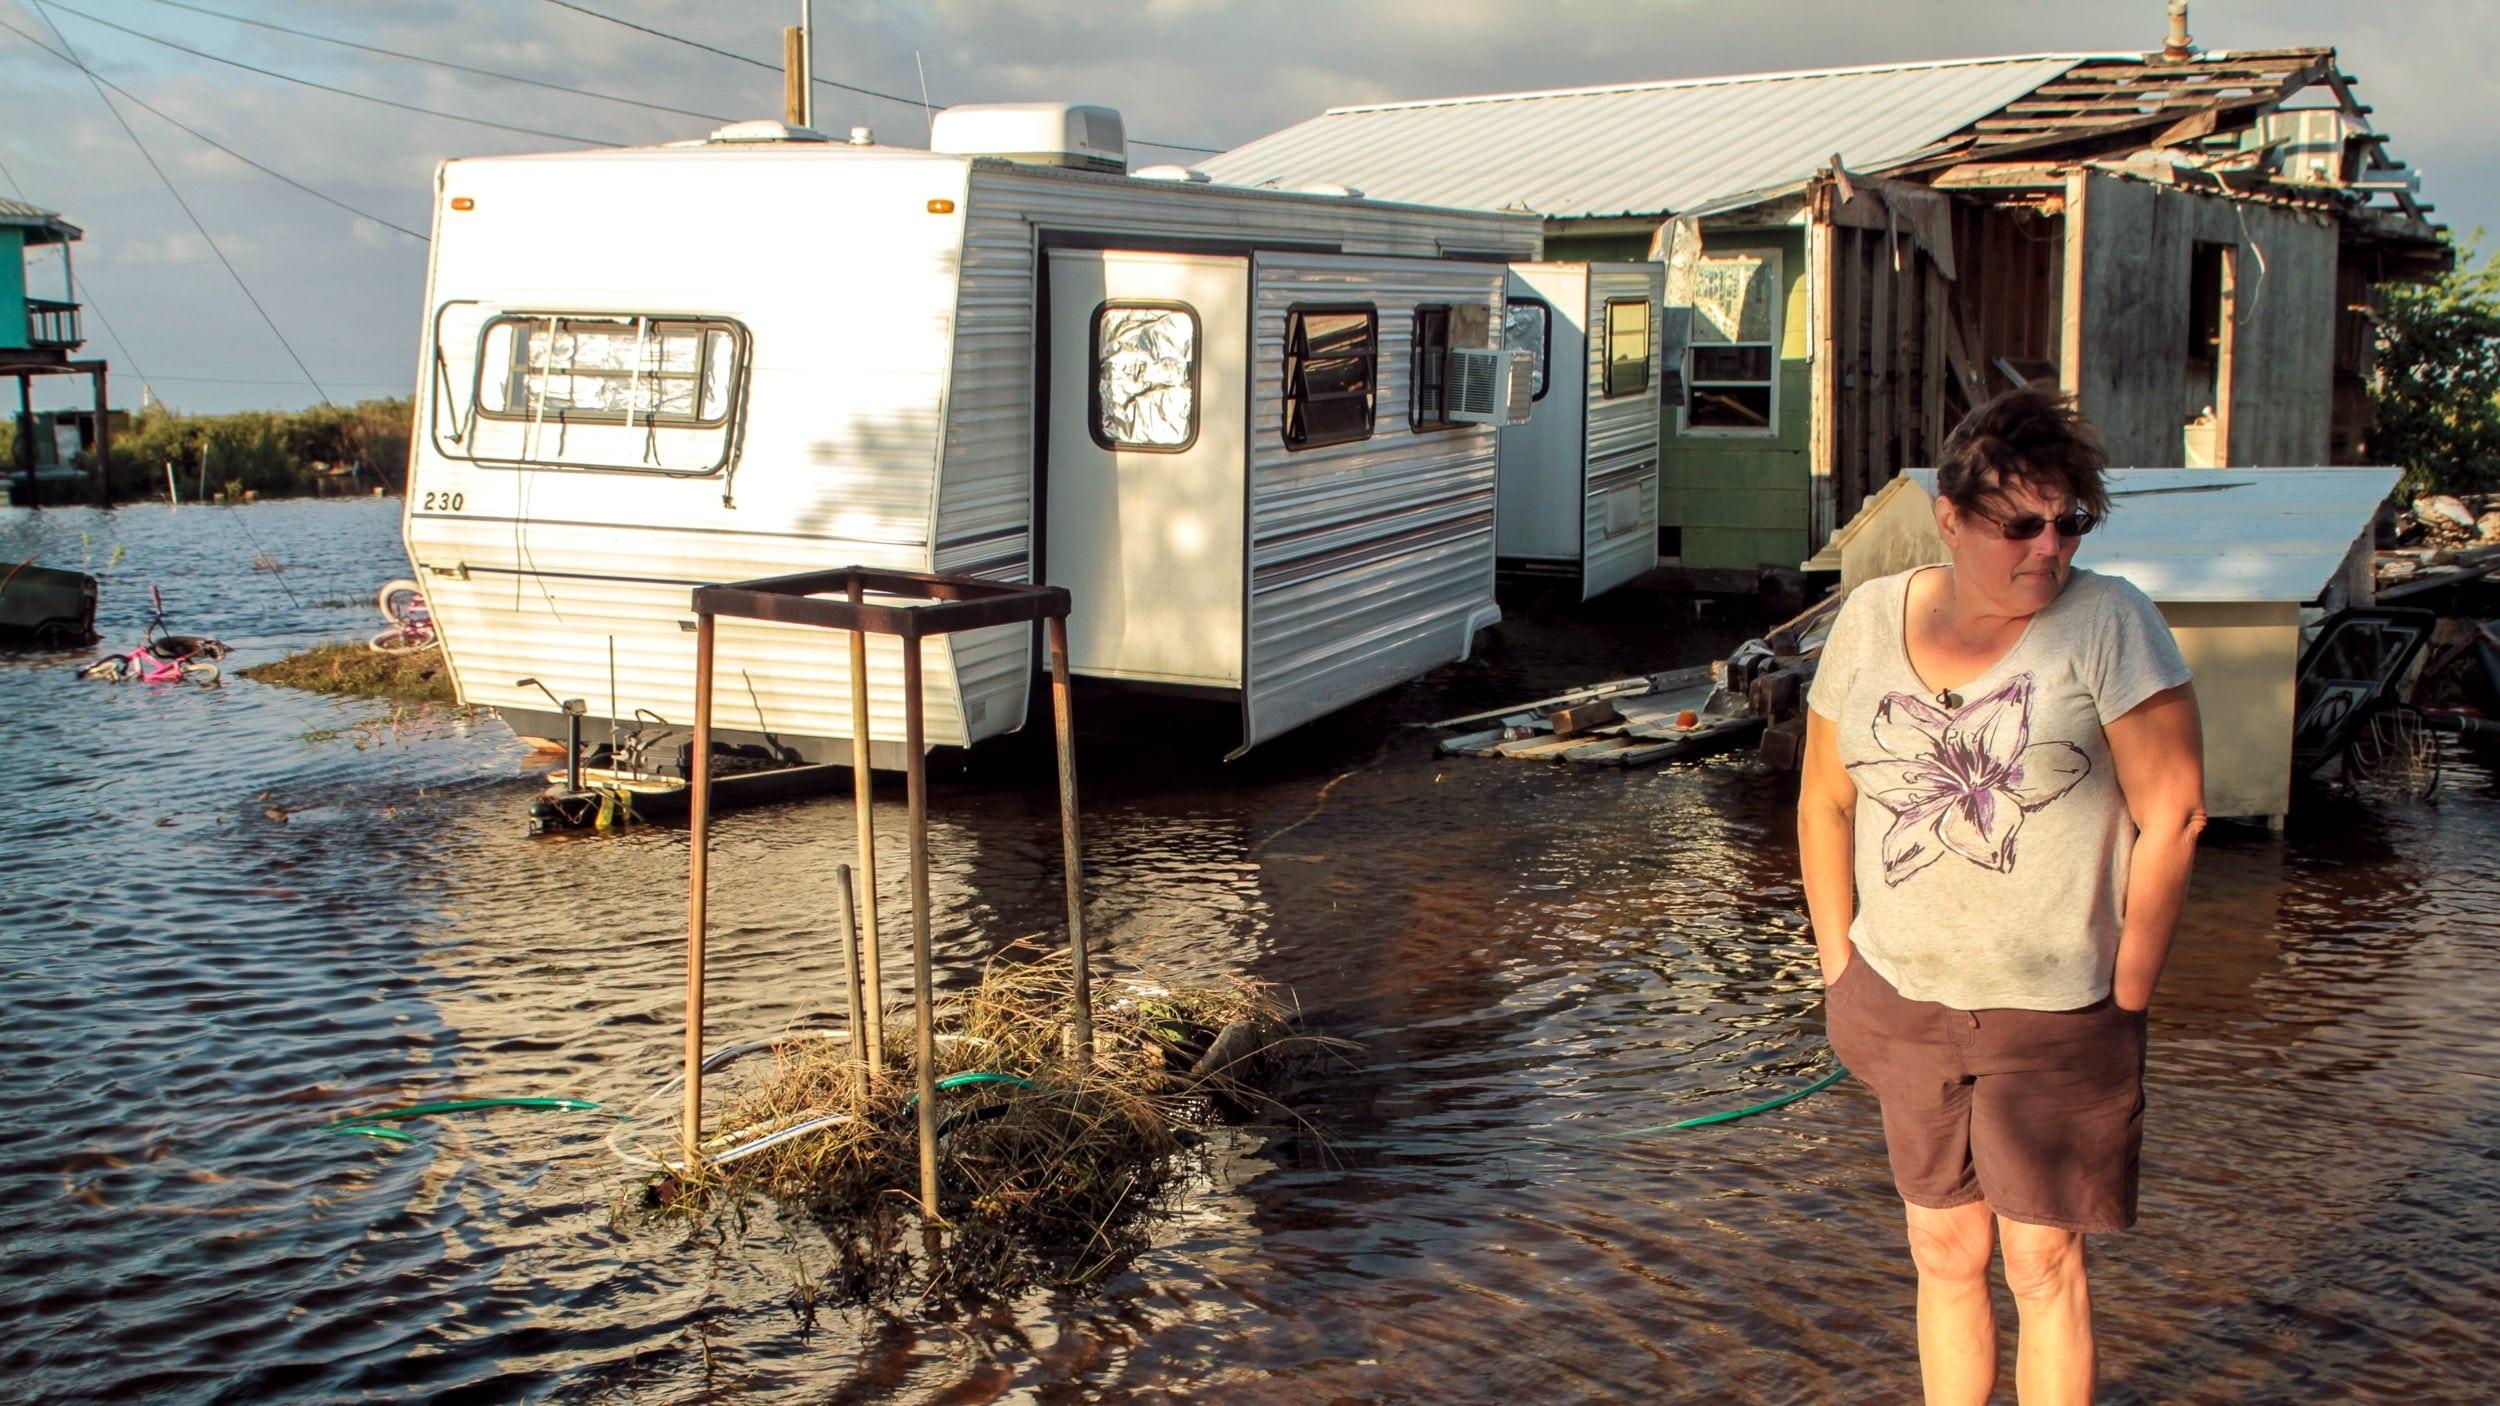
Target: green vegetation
<point x="352" y="669"/>
<point x="2437" y="385"/>
<point x="267" y="453"/>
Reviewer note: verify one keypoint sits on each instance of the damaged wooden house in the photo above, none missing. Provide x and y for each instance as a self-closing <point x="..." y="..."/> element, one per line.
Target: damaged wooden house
<point x="2189" y="239"/>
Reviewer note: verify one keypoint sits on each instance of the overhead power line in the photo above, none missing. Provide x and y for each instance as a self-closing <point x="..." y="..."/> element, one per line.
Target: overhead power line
<point x="828" y="82"/>
<point x="164" y="116"/>
<point x="306" y="82"/>
<point x="442" y="63"/>
<point x="42" y="7"/>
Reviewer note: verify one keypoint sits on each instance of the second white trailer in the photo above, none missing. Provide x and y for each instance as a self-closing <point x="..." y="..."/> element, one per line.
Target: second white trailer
<point x="1579" y="481"/>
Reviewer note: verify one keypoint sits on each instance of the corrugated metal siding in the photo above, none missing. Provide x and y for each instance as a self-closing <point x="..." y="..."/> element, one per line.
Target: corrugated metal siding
<point x="1636" y="150"/>
<point x="1622" y="440"/>
<point x="1370" y="562"/>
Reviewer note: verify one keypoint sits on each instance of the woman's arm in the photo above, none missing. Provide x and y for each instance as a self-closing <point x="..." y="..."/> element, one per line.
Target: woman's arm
<point x="1827" y="807"/>
<point x="2159" y="749"/>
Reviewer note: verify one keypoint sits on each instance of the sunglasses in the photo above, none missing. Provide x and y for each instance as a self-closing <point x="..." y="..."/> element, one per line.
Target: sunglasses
<point x="2069" y="524"/>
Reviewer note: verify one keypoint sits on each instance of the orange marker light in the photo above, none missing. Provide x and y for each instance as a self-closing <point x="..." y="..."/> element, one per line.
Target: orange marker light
<point x="941" y="207"/>
<point x="462" y="202"/>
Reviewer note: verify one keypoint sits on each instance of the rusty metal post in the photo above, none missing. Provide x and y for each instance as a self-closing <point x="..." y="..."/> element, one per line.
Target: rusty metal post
<point x="699" y="845"/>
<point x="1063" y="715"/>
<point x="924" y="1053"/>
<point x="863" y="790"/>
<point x="849" y="919"/>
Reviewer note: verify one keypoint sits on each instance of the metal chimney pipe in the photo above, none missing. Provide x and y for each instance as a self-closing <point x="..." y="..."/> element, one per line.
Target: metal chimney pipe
<point x="2178" y="45"/>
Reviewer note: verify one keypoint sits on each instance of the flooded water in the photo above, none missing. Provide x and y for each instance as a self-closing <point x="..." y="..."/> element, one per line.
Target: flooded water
<point x="231" y="916"/>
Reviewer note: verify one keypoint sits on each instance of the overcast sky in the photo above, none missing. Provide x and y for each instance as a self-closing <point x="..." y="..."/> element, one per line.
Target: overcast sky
<point x="1212" y="73"/>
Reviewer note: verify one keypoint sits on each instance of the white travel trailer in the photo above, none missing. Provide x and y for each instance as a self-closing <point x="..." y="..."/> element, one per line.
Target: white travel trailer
<point x="1580" y="479"/>
<point x="1228" y="420"/>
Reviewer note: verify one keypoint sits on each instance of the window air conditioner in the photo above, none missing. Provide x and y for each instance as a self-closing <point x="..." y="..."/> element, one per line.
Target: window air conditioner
<point x="1491" y="386"/>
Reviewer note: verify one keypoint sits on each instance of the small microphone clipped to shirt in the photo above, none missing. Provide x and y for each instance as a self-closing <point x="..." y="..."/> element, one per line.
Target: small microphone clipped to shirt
<point x="1948" y="698"/>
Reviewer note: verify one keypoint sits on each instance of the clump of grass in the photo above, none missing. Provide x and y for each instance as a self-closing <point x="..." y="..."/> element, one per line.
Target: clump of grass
<point x="352" y="669"/>
<point x="1049" y="1173"/>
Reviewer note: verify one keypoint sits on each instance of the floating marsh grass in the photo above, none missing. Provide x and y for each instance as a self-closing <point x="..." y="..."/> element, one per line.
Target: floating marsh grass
<point x="1048" y="1171"/>
<point x="357" y="671"/>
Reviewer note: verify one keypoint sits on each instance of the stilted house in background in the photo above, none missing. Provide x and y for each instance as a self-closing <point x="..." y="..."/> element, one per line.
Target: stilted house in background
<point x="2188" y="239"/>
<point x="38" y="337"/>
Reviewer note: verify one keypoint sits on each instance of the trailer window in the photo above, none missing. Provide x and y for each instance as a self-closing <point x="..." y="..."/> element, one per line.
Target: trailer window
<point x="1528" y="325"/>
<point x="1428" y="400"/>
<point x="1332" y="357"/>
<point x="623" y="370"/>
<point x="1145" y="379"/>
<point x="1627" y="346"/>
<point x="1732" y="385"/>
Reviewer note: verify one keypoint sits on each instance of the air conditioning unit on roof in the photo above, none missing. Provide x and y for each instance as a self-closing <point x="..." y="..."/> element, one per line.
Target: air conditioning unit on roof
<point x="1491" y="386"/>
<point x="2313" y="146"/>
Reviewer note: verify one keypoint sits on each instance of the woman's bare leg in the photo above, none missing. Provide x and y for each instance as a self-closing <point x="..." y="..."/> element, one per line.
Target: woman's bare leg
<point x="1957" y="1325"/>
<point x="2053" y="1357"/>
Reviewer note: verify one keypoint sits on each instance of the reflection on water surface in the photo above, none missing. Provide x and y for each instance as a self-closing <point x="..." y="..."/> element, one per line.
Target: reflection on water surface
<point x="1535" y="958"/>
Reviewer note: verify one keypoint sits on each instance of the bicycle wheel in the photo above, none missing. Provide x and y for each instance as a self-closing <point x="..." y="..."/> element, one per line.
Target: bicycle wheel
<point x="202" y="672"/>
<point x="109" y="668"/>
<point x="2394" y="756"/>
<point x="401" y="640"/>
<point x="397" y="597"/>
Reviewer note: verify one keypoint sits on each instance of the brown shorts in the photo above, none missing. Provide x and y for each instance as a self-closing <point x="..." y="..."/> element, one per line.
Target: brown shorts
<point x="2039" y="1113"/>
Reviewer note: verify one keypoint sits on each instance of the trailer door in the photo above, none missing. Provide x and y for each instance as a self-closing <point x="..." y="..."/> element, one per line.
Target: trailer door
<point x="1619" y="502"/>
<point x="1144" y="480"/>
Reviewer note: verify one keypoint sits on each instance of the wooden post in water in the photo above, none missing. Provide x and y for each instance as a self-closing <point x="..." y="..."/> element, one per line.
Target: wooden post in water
<point x="863" y="791"/>
<point x="924" y="1003"/>
<point x="1063" y="715"/>
<point x="699" y="844"/>
<point x="850" y="964"/>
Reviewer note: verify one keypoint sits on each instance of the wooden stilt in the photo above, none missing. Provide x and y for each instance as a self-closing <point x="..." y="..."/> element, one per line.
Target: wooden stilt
<point x="699" y="845"/>
<point x="924" y="1001"/>
<point x="1063" y="715"/>
<point x="849" y="919"/>
<point x="863" y="790"/>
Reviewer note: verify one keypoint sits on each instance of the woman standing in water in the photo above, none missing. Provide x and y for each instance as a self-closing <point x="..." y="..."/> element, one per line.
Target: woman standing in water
<point x="2004" y="782"/>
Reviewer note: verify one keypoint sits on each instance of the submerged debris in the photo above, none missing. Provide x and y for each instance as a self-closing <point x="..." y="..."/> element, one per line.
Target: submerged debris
<point x="1049" y="1169"/>
<point x="353" y="669"/>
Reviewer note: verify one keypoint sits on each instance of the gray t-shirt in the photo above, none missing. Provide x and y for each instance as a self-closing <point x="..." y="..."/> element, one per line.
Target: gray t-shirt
<point x="1992" y="839"/>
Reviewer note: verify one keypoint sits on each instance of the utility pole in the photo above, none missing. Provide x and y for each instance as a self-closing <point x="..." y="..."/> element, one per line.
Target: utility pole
<point x="798" y="70"/>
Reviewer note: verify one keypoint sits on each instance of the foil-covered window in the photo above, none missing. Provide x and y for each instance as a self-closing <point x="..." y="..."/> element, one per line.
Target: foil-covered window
<point x="1528" y="325"/>
<point x="1145" y="392"/>
<point x="670" y="371"/>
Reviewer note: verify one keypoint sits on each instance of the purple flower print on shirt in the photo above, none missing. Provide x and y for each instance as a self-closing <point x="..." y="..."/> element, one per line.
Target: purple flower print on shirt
<point x="1962" y="781"/>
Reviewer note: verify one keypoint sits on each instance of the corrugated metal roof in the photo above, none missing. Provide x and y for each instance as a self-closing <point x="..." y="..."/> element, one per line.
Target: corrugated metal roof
<point x="18" y="212"/>
<point x="2228" y="535"/>
<point x="1637" y="149"/>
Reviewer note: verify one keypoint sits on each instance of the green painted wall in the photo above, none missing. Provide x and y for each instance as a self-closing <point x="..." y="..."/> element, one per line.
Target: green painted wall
<point x="12" y="288"/>
<point x="1740" y="503"/>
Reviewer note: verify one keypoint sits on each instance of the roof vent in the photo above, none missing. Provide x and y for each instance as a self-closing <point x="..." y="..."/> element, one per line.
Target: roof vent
<point x="1167" y="172"/>
<point x="1336" y="188"/>
<point x="764" y="130"/>
<point x="863" y="136"/>
<point x="1072" y="135"/>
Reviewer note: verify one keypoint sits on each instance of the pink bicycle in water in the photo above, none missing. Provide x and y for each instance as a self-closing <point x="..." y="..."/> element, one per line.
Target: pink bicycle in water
<point x="162" y="658"/>
<point x="412" y="625"/>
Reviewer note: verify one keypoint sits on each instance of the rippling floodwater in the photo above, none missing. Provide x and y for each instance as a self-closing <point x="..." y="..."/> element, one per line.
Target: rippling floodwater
<point x="230" y="916"/>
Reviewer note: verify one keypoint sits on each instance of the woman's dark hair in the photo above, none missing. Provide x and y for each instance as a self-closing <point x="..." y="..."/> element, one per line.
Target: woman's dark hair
<point x="2031" y="437"/>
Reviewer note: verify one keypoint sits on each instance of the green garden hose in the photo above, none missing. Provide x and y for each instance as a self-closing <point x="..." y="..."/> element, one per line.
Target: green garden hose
<point x="977" y="1076"/>
<point x="370" y="1124"/>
